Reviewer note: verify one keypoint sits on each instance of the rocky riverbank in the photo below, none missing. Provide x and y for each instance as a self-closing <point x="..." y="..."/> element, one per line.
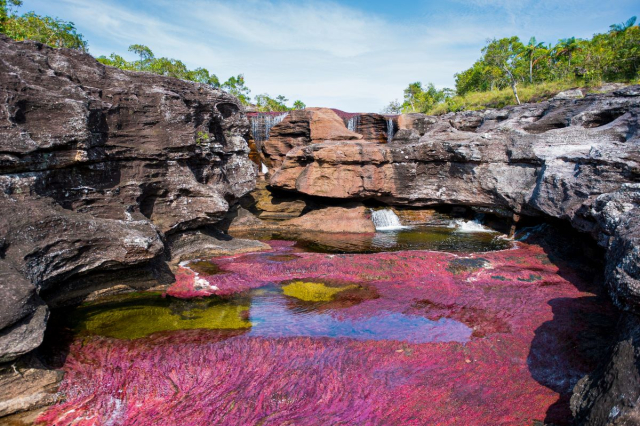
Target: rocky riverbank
<point x="103" y="175"/>
<point x="109" y="178"/>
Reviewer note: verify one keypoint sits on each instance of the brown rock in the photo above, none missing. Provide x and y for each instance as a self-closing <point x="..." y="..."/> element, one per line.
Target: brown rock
<point x="301" y="128"/>
<point x="26" y="387"/>
<point x="334" y="219"/>
<point x="373" y="127"/>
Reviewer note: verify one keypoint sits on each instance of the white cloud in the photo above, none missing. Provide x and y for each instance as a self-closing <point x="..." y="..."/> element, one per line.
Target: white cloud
<point x="324" y="53"/>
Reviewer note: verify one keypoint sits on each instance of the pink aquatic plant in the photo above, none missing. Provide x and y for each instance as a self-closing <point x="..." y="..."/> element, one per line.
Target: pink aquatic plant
<point x="527" y="349"/>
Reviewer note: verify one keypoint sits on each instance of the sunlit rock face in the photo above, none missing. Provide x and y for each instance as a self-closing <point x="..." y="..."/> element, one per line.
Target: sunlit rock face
<point x="97" y="166"/>
<point x="411" y="337"/>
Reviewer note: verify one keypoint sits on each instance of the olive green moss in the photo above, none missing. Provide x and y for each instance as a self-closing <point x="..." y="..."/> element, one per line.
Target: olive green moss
<point x="138" y="315"/>
<point x="313" y="292"/>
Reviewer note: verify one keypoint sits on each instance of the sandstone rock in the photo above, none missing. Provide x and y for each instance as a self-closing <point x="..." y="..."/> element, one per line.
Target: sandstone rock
<point x="97" y="167"/>
<point x="302" y="128"/>
<point x="355" y="219"/>
<point x="421" y="123"/>
<point x="552" y="159"/>
<point x="372" y="127"/>
<point x="275" y="206"/>
<point x="23" y="336"/>
<point x="207" y="243"/>
<point x="27" y="386"/>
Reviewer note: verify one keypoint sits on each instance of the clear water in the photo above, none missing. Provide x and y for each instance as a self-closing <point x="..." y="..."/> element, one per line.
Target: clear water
<point x="309" y="309"/>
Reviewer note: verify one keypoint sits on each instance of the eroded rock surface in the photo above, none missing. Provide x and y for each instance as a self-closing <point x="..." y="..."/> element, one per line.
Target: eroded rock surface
<point x="98" y="167"/>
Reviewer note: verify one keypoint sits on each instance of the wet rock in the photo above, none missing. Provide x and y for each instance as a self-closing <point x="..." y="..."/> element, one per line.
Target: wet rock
<point x="206" y="243"/>
<point x="550" y="159"/>
<point x="372" y="127"/>
<point x="98" y="167"/>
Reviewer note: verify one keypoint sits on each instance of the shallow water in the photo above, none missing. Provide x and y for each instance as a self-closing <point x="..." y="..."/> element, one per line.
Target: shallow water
<point x="272" y="311"/>
<point x="292" y="336"/>
<point x="436" y="238"/>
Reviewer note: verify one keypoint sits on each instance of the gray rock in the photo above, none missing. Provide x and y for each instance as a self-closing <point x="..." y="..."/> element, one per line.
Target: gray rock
<point x="98" y="167"/>
<point x="570" y="94"/>
<point x="610" y="396"/>
<point x="23" y="336"/>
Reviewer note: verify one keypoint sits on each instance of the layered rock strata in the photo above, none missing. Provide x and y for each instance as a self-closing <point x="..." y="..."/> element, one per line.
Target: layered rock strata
<point x="100" y="170"/>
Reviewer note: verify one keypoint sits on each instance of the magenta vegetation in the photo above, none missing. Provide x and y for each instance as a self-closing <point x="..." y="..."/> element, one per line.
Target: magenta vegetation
<point x="525" y="352"/>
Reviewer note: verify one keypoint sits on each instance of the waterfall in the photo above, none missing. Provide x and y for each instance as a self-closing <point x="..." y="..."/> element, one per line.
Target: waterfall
<point x="390" y="130"/>
<point x="264" y="169"/>
<point x="474" y="225"/>
<point x="385" y="220"/>
<point x="353" y="123"/>
<point x="261" y="125"/>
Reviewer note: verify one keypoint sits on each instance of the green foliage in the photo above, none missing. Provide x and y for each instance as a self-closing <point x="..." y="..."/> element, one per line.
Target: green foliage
<point x="235" y="85"/>
<point x="266" y="103"/>
<point x="202" y="138"/>
<point x="44" y="29"/>
<point x="509" y="71"/>
<point x="162" y="66"/>
<point x="299" y="104"/>
<point x="394" y="107"/>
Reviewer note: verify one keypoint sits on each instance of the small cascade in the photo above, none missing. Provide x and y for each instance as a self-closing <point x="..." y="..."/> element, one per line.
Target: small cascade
<point x="262" y="124"/>
<point x="390" y="130"/>
<point x="385" y="220"/>
<point x="474" y="225"/>
<point x="264" y="169"/>
<point x="353" y="123"/>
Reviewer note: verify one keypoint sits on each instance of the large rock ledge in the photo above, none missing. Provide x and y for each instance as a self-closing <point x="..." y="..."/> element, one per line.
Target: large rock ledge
<point x="100" y="170"/>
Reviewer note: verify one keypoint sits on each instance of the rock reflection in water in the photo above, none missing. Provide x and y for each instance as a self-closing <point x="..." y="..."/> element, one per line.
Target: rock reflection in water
<point x="436" y="238"/>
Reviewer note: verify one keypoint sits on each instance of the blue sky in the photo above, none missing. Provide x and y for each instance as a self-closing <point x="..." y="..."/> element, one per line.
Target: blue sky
<point x="356" y="55"/>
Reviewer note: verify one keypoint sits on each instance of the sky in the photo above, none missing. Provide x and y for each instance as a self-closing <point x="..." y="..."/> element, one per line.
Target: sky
<point x="355" y="55"/>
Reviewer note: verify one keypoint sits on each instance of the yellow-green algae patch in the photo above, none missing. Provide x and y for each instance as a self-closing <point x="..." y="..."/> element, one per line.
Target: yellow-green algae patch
<point x="313" y="292"/>
<point x="137" y="316"/>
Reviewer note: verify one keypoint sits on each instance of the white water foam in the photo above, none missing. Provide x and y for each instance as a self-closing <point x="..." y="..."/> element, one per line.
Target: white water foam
<point x="386" y="220"/>
<point x="468" y="226"/>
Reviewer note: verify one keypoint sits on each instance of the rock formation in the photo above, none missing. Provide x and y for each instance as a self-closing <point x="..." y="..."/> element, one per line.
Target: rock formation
<point x="571" y="159"/>
<point x="302" y="128"/>
<point x="100" y="169"/>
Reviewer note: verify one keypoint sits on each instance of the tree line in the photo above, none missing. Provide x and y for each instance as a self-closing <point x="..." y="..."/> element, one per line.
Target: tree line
<point x="508" y="63"/>
<point x="58" y="33"/>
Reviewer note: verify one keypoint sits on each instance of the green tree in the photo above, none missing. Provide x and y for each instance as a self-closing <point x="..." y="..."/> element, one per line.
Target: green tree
<point x="145" y="54"/>
<point x="617" y="29"/>
<point x="529" y="52"/>
<point x="236" y="86"/>
<point x="503" y="54"/>
<point x="6" y="11"/>
<point x="44" y="29"/>
<point x="299" y="105"/>
<point x="394" y="107"/>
